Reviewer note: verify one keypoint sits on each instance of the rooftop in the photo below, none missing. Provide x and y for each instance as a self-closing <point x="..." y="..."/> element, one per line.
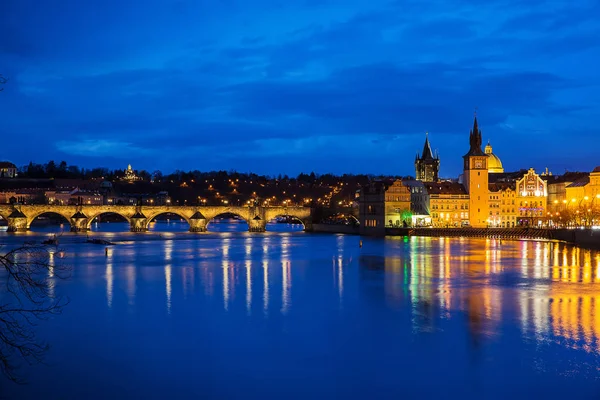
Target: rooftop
<point x="444" y="188"/>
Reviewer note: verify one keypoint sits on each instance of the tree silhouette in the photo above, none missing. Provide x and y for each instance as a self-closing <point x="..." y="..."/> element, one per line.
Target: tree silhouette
<point x="3" y="80"/>
<point x="27" y="277"/>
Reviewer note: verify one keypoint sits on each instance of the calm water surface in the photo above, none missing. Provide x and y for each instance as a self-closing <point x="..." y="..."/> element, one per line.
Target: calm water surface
<point x="296" y="315"/>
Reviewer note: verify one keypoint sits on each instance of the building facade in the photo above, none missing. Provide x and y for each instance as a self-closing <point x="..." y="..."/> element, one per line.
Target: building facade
<point x="372" y="209"/>
<point x="531" y="197"/>
<point x="398" y="205"/>
<point x="448" y="204"/>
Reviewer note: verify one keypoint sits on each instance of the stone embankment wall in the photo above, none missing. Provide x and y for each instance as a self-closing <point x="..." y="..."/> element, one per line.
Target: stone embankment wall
<point x="334" y="228"/>
<point x="589" y="238"/>
<point x="503" y="233"/>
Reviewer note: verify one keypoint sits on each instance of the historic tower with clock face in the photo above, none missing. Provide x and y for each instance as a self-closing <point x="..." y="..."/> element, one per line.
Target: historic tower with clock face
<point x="476" y="180"/>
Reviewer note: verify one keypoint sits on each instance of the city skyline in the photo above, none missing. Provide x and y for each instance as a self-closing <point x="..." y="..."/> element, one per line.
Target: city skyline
<point x="323" y="86"/>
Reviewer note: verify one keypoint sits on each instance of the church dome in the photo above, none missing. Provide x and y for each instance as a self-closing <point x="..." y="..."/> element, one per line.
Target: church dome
<point x="494" y="163"/>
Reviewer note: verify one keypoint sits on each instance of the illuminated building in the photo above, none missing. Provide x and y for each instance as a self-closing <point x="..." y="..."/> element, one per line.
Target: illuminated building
<point x="557" y="189"/>
<point x="475" y="178"/>
<point x="503" y="208"/>
<point x="130" y="175"/>
<point x="427" y="166"/>
<point x="398" y="204"/>
<point x="585" y="187"/>
<point x="448" y="204"/>
<point x="532" y="194"/>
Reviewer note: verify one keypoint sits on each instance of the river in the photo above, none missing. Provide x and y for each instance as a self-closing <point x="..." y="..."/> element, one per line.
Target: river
<point x="288" y="314"/>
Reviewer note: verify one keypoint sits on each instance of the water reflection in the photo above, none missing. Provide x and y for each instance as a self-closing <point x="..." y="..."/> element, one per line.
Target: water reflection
<point x="436" y="304"/>
<point x="109" y="277"/>
<point x="168" y="272"/>
<point x="225" y="266"/>
<point x="549" y="291"/>
<point x="131" y="283"/>
<point x="248" y="286"/>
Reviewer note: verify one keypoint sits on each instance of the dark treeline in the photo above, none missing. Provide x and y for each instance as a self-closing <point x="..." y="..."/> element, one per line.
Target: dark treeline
<point x="61" y="170"/>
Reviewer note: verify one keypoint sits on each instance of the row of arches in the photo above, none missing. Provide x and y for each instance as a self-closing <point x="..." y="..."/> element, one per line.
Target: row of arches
<point x="166" y="221"/>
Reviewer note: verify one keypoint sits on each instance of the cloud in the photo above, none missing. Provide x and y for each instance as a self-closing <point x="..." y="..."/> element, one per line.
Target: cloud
<point x="248" y="82"/>
<point x="101" y="148"/>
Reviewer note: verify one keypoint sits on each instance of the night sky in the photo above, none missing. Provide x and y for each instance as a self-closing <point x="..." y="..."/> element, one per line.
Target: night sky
<point x="342" y="86"/>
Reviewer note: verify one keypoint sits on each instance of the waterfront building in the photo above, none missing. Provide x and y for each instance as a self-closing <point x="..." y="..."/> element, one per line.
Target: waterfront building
<point x="532" y="195"/>
<point x="427" y="166"/>
<point x="419" y="203"/>
<point x="7" y="169"/>
<point x="398" y="205"/>
<point x="557" y="189"/>
<point x="449" y="204"/>
<point x="475" y="178"/>
<point x="494" y="200"/>
<point x="585" y="191"/>
<point x="372" y="209"/>
<point x="503" y="207"/>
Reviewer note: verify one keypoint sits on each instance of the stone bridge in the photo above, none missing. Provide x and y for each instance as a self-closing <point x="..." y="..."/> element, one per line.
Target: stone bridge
<point x="80" y="217"/>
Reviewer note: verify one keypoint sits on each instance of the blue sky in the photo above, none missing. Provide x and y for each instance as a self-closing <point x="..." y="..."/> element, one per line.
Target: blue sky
<point x="299" y="85"/>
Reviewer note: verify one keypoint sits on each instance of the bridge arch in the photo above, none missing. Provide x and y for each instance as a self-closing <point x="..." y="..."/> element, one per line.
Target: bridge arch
<point x="96" y="215"/>
<point x="156" y="214"/>
<point x="303" y="221"/>
<point x="226" y="212"/>
<point x="65" y="217"/>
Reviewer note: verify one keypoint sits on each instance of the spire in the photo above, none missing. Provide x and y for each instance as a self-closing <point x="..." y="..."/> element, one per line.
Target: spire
<point x="475" y="139"/>
<point x="427" y="153"/>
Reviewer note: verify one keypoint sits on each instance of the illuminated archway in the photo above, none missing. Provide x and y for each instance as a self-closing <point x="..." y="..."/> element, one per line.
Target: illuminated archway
<point x="285" y="223"/>
<point x="94" y="223"/>
<point x="49" y="222"/>
<point x="168" y="221"/>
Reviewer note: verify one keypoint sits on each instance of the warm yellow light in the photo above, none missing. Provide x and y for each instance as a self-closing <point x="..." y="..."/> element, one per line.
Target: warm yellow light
<point x="573" y="200"/>
<point x="586" y="198"/>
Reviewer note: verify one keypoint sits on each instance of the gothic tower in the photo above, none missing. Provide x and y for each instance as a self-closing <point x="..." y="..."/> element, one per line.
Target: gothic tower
<point x="476" y="180"/>
<point x="427" y="166"/>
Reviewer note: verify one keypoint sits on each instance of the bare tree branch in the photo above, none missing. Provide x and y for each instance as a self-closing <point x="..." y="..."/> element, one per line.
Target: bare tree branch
<point x="3" y="80"/>
<point x="27" y="277"/>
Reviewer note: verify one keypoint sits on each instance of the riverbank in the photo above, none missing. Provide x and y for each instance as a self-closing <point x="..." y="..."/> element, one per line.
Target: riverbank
<point x="587" y="238"/>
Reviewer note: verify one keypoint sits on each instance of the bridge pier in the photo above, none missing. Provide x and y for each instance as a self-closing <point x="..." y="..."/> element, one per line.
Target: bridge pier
<point x="257" y="224"/>
<point x="17" y="222"/>
<point x="79" y="222"/>
<point x="138" y="223"/>
<point x="198" y="222"/>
